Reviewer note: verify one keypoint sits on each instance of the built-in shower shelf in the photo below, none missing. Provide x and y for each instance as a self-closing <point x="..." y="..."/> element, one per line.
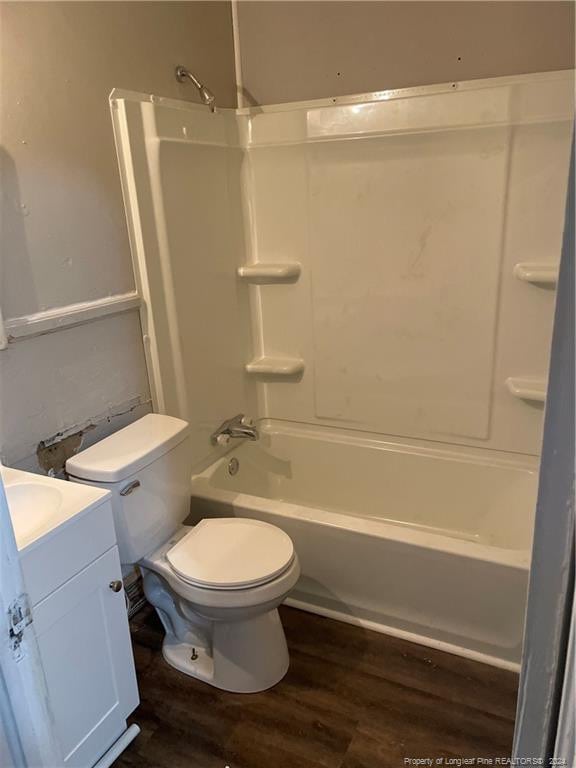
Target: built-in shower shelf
<point x="528" y="388"/>
<point x="287" y="272"/>
<point x="276" y="366"/>
<point x="538" y="273"/>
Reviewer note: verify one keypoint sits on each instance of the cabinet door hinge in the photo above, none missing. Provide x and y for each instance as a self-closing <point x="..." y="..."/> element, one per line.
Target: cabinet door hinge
<point x="19" y="617"/>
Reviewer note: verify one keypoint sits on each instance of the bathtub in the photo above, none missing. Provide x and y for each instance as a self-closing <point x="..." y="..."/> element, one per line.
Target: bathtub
<point x="428" y="544"/>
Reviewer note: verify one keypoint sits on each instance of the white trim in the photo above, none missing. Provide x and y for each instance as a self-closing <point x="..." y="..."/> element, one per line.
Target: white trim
<point x="402" y="634"/>
<point x="50" y="320"/>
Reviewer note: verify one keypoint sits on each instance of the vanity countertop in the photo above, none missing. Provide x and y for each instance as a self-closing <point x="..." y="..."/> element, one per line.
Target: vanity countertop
<point x="40" y="505"/>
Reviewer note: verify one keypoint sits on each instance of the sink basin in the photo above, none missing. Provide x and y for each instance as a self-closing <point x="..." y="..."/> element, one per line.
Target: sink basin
<point x="34" y="508"/>
<point x="40" y="505"/>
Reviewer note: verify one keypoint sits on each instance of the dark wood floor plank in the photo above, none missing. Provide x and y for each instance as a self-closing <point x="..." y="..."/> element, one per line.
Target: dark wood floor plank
<point x="379" y="704"/>
<point x="177" y="748"/>
<point x="245" y="751"/>
<point x="278" y="722"/>
<point x="451" y="677"/>
<point x="351" y="699"/>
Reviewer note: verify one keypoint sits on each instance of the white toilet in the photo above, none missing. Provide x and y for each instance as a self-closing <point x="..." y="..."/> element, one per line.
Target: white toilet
<point x="216" y="586"/>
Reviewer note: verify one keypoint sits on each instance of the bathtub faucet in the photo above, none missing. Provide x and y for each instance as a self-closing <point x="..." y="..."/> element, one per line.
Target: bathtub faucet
<point x="239" y="426"/>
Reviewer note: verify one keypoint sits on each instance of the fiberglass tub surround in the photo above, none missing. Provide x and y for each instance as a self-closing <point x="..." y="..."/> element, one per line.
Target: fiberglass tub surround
<point x="371" y="278"/>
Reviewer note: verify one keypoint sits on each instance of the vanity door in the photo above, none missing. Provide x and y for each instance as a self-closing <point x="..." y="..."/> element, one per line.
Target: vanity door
<point x="84" y="641"/>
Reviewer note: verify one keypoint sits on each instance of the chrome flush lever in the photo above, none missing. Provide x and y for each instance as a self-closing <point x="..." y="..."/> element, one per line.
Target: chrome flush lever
<point x="127" y="490"/>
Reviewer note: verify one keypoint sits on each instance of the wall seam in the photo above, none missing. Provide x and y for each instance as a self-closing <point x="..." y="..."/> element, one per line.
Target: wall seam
<point x="237" y="56"/>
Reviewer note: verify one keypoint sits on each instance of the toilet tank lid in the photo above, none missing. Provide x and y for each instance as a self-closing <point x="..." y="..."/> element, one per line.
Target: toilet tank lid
<point x="129" y="450"/>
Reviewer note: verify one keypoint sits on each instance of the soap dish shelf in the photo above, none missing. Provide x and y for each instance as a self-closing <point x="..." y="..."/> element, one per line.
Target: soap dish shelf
<point x="261" y="274"/>
<point x="528" y="388"/>
<point x="537" y="273"/>
<point x="276" y="366"/>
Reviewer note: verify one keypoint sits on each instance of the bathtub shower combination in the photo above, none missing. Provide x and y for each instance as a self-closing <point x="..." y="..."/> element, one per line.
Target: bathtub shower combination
<point x="372" y="279"/>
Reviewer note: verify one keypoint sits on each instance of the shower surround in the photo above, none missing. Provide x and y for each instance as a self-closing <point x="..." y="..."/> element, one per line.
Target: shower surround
<point x="372" y="278"/>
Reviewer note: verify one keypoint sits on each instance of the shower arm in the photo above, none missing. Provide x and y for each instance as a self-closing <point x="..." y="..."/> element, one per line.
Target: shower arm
<point x="206" y="95"/>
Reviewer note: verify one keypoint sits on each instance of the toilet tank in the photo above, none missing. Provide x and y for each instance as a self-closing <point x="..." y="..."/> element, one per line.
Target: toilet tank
<point x="147" y="467"/>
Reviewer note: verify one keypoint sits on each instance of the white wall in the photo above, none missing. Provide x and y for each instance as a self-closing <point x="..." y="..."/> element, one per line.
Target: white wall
<point x="64" y="237"/>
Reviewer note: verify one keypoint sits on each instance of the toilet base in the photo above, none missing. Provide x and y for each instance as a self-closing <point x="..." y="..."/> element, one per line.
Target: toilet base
<point x="232" y="640"/>
<point x="246" y="656"/>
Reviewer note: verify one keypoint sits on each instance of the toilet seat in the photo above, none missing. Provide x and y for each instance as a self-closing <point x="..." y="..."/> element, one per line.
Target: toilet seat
<point x="231" y="553"/>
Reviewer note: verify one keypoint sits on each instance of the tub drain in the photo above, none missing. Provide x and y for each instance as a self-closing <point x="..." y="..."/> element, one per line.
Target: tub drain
<point x="233" y="466"/>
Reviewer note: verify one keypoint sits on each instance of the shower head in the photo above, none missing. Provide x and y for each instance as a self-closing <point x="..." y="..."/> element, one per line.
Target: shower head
<point x="206" y="95"/>
<point x="208" y="98"/>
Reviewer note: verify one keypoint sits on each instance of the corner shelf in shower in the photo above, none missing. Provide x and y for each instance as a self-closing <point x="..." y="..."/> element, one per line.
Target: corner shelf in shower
<point x="529" y="388"/>
<point x="537" y="273"/>
<point x="276" y="366"/>
<point x="261" y="274"/>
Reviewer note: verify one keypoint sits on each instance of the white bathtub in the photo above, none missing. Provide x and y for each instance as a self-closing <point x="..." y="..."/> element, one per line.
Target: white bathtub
<point x="431" y="545"/>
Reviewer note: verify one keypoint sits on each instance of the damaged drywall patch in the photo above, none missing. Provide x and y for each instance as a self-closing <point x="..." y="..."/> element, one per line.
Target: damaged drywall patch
<point x="52" y="455"/>
<point x="53" y="452"/>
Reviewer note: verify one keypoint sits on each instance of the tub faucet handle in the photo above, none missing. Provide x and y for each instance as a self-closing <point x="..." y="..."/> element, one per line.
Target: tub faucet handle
<point x="239" y="426"/>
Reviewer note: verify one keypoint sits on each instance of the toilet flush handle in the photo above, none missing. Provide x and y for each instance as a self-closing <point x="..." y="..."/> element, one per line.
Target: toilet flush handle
<point x="130" y="487"/>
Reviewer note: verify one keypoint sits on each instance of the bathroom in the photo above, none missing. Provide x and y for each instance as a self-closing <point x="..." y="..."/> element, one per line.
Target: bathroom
<point x="286" y="323"/>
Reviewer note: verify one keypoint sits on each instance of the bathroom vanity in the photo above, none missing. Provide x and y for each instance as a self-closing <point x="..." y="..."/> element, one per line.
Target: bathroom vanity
<point x="66" y="538"/>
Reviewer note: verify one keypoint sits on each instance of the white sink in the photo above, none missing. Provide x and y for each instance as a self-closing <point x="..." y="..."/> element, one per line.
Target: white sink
<point x="34" y="509"/>
<point x="39" y="504"/>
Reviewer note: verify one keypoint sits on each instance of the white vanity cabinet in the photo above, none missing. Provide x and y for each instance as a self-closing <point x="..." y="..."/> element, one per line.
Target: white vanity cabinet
<point x="73" y="578"/>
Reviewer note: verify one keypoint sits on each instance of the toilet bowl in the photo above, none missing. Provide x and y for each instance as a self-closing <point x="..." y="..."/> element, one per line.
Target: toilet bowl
<point x="225" y="633"/>
<point x="216" y="586"/>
